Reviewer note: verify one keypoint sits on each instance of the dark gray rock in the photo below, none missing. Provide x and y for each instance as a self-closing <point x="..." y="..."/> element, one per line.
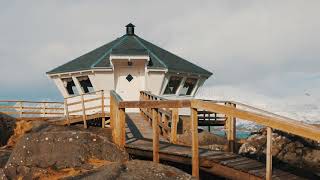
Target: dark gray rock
<point x="57" y="147"/>
<point x="7" y="125"/>
<point x="295" y="151"/>
<point x="4" y="156"/>
<point x="2" y="175"/>
<point x="134" y="170"/>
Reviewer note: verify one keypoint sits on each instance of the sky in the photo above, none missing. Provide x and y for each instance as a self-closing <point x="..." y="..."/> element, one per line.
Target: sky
<point x="255" y="49"/>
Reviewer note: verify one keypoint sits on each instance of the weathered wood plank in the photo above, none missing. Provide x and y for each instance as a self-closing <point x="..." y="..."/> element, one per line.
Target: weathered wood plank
<point x="174" y="125"/>
<point x="155" y="104"/>
<point x="155" y="135"/>
<point x="269" y="154"/>
<point x="195" y="143"/>
<point x="84" y="116"/>
<point x="290" y="126"/>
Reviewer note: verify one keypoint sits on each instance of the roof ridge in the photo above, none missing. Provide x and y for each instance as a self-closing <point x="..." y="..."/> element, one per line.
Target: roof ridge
<point x="161" y="62"/>
<point x="173" y="54"/>
<point x="103" y="56"/>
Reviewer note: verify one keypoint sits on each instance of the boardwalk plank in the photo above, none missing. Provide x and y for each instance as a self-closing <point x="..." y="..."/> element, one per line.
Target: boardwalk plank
<point x="215" y="162"/>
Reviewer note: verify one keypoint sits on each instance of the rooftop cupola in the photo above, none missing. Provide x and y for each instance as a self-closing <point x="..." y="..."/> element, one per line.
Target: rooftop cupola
<point x="130" y="29"/>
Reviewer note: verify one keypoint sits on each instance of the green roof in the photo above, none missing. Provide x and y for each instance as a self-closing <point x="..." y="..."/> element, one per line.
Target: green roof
<point x="131" y="45"/>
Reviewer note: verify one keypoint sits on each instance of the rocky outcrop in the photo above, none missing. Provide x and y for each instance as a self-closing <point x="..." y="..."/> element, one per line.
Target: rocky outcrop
<point x="206" y="139"/>
<point x="2" y="175"/>
<point x="290" y="149"/>
<point x="4" y="156"/>
<point x="49" y="147"/>
<point x="7" y="127"/>
<point x="134" y="170"/>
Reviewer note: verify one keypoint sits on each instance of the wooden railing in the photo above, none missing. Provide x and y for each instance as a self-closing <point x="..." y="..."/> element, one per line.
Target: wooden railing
<point x="168" y="117"/>
<point x="84" y="104"/>
<point x="156" y="107"/>
<point x="25" y="109"/>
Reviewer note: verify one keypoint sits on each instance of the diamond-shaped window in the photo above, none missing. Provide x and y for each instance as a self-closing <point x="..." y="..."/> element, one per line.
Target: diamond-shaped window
<point x="129" y="77"/>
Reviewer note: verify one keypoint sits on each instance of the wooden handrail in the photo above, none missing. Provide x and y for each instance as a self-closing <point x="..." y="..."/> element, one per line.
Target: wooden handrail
<point x="23" y="101"/>
<point x="116" y="97"/>
<point x="155" y="104"/>
<point x="150" y="104"/>
<point x="289" y="126"/>
<point x="93" y="92"/>
<point x="150" y="94"/>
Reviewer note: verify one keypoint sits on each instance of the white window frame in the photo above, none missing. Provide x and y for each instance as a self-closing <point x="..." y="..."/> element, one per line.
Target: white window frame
<point x="166" y="84"/>
<point x="193" y="90"/>
<point x="184" y="78"/>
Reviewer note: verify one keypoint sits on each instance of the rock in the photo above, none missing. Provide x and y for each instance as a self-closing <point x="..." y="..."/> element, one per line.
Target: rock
<point x="7" y="126"/>
<point x="311" y="157"/>
<point x="21" y="128"/>
<point x="292" y="150"/>
<point x="253" y="145"/>
<point x="57" y="148"/>
<point x="4" y="156"/>
<point x="134" y="170"/>
<point x="205" y="138"/>
<point x="2" y="175"/>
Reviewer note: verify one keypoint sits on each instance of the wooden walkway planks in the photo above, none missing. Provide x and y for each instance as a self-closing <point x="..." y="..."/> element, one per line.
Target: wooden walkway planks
<point x="226" y="164"/>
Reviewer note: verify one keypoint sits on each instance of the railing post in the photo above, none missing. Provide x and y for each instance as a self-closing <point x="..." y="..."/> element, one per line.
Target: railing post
<point x="231" y="130"/>
<point x="269" y="154"/>
<point x="155" y="135"/>
<point x="113" y="118"/>
<point x="121" y="120"/>
<point x="66" y="109"/>
<point x="84" y="117"/>
<point x="174" y="125"/>
<point x="21" y="108"/>
<point x="195" y="143"/>
<point x="209" y="119"/>
<point x="44" y="109"/>
<point x="103" y="120"/>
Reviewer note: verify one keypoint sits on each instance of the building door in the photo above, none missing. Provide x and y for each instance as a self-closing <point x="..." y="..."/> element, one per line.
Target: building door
<point x="130" y="82"/>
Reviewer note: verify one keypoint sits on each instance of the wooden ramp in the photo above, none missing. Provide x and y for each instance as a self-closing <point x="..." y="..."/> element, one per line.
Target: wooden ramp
<point x="224" y="164"/>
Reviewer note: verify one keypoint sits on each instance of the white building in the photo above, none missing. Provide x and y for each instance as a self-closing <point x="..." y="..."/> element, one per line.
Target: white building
<point x="128" y="65"/>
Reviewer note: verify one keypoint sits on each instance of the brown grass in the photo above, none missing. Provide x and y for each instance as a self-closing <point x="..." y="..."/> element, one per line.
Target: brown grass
<point x="21" y="128"/>
<point x="98" y="163"/>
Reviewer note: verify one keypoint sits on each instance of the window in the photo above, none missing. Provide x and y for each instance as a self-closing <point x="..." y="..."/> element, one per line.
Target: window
<point x="70" y="86"/>
<point x="188" y="86"/>
<point x="173" y="85"/>
<point x="85" y="84"/>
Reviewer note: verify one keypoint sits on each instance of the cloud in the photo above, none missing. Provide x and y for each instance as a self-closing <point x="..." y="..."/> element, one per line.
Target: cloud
<point x="268" y="47"/>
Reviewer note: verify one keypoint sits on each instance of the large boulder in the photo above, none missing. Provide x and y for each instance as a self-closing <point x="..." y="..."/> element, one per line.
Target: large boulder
<point x="2" y="175"/>
<point x="134" y="170"/>
<point x="4" y="156"/>
<point x="7" y="126"/>
<point x="292" y="150"/>
<point x="206" y="139"/>
<point x="49" y="147"/>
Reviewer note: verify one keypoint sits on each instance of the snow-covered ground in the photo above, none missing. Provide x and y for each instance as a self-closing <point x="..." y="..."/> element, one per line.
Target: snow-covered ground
<point x="305" y="108"/>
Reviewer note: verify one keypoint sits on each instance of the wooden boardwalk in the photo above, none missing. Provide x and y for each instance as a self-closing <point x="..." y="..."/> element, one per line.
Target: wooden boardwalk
<point x="224" y="164"/>
<point x="134" y="131"/>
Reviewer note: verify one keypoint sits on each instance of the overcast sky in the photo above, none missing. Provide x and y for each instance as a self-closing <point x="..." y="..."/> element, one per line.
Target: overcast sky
<point x="270" y="48"/>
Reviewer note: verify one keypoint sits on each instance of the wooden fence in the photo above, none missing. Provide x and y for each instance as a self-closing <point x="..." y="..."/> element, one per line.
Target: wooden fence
<point x="79" y="106"/>
<point x="85" y="105"/>
<point x="24" y="109"/>
<point x="157" y="108"/>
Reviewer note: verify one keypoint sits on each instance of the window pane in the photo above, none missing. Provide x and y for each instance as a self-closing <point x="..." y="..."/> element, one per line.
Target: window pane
<point x="85" y="84"/>
<point x="70" y="86"/>
<point x="173" y="85"/>
<point x="188" y="86"/>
